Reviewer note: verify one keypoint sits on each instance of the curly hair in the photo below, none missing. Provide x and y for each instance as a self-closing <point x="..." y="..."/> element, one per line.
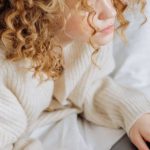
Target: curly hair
<point x="28" y="28"/>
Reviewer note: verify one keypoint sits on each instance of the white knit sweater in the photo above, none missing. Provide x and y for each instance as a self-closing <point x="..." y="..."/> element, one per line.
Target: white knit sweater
<point x="82" y="89"/>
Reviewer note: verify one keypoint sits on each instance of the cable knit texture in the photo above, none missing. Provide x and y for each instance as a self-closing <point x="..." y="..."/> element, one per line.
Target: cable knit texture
<point x="83" y="88"/>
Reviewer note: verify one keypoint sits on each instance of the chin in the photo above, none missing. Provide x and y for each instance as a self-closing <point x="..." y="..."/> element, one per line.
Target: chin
<point x="102" y="39"/>
<point x="107" y="39"/>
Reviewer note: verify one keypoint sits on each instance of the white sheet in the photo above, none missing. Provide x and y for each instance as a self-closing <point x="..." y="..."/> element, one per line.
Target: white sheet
<point x="73" y="133"/>
<point x="132" y="69"/>
<point x="133" y="59"/>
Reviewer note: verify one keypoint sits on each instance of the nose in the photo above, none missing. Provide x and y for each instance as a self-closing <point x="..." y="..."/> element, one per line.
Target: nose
<point x="107" y="10"/>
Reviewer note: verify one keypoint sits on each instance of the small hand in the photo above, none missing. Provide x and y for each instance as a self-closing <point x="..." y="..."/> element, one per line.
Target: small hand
<point x="140" y="132"/>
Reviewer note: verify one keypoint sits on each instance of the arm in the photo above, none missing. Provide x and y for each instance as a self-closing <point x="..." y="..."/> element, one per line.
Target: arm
<point x="115" y="106"/>
<point x="13" y="120"/>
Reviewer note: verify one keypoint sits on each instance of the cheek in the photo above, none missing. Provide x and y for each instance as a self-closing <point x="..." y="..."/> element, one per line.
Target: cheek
<point x="77" y="28"/>
<point x="73" y="27"/>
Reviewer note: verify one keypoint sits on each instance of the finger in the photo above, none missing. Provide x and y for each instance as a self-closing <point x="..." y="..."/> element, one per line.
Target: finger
<point x="140" y="143"/>
<point x="146" y="136"/>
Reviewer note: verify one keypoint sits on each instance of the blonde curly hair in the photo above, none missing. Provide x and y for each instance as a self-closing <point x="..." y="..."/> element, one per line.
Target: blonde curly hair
<point x="28" y="28"/>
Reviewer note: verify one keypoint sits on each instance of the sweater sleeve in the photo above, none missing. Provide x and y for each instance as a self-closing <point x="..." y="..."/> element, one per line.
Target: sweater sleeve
<point x="113" y="105"/>
<point x="13" y="120"/>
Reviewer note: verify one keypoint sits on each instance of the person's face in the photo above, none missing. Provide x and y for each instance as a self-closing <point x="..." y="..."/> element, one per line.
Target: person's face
<point x="80" y="26"/>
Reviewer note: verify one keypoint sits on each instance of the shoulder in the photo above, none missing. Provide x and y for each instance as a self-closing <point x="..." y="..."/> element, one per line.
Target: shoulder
<point x="3" y="64"/>
<point x="7" y="67"/>
<point x="18" y="71"/>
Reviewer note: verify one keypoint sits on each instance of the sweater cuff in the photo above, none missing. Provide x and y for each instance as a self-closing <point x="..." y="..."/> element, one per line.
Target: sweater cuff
<point x="124" y="105"/>
<point x="134" y="109"/>
<point x="132" y="104"/>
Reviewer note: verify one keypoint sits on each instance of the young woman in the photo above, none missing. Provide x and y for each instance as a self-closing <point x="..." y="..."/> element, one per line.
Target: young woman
<point x="55" y="59"/>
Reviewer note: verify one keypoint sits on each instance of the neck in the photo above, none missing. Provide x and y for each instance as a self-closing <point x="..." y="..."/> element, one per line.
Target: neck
<point x="63" y="39"/>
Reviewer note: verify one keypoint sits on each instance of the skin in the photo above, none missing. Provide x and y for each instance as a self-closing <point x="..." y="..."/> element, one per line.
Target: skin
<point x="77" y="28"/>
<point x="140" y="132"/>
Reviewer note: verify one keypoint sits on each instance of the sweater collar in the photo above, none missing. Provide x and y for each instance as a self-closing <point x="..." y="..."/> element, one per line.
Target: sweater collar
<point x="77" y="58"/>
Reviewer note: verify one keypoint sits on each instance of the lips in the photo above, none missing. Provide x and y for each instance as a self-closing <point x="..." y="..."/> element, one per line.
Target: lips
<point x="108" y="29"/>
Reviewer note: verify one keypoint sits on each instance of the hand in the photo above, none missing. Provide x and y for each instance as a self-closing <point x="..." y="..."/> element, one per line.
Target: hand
<point x="140" y="132"/>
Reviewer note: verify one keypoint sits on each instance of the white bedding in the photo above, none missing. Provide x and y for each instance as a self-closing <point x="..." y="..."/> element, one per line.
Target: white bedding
<point x="133" y="59"/>
<point x="132" y="69"/>
<point x="66" y="131"/>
